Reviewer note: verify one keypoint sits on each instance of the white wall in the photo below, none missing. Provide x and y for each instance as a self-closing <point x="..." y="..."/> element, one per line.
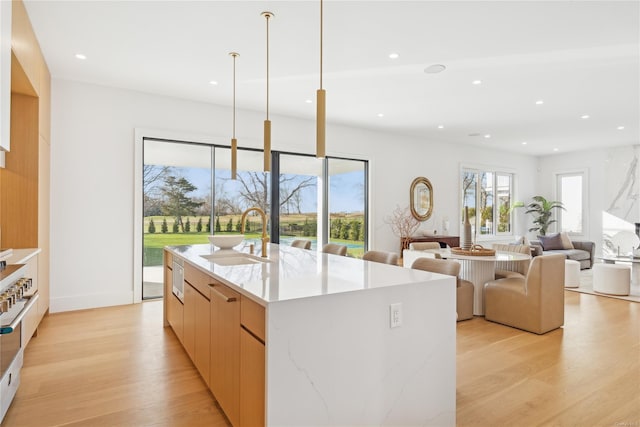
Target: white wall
<point x="92" y="173"/>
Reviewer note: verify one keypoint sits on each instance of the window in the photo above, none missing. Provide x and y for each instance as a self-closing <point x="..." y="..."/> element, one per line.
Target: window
<point x="187" y="194"/>
<point x="347" y="204"/>
<point x="488" y="196"/>
<point x="571" y="190"/>
<point x="300" y="186"/>
<point x="176" y="186"/>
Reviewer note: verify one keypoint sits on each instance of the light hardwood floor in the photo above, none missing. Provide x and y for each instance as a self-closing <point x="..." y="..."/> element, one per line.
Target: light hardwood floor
<point x="118" y="367"/>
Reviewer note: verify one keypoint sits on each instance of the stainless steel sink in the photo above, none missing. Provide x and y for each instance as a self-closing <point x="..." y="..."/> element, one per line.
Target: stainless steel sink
<point x="237" y="258"/>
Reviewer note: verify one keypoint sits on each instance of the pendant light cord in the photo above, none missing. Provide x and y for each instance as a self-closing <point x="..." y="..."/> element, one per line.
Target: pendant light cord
<point x="321" y="38"/>
<point x="267" y="16"/>
<point x="234" y="96"/>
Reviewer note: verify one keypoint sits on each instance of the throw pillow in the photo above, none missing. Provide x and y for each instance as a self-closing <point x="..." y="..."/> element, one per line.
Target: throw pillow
<point x="566" y="241"/>
<point x="551" y="242"/>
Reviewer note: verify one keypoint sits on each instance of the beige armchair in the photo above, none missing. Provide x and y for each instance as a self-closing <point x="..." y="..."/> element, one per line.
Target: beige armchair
<point x="534" y="303"/>
<point x="334" y="248"/>
<point x="301" y="243"/>
<point x="423" y="246"/>
<point x="381" y="256"/>
<point x="506" y="269"/>
<point x="464" y="288"/>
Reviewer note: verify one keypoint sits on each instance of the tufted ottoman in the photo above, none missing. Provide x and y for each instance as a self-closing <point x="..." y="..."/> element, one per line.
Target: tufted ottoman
<point x="614" y="279"/>
<point x="571" y="274"/>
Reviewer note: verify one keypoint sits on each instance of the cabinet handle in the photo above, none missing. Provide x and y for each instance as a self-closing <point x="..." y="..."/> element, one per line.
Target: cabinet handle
<point x="223" y="296"/>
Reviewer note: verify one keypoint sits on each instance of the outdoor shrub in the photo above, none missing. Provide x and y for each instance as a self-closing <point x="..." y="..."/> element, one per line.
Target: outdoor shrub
<point x="218" y="228"/>
<point x="164" y="228"/>
<point x="209" y="225"/>
<point x="230" y="225"/>
<point x="247" y="226"/>
<point x="238" y="226"/>
<point x="152" y="226"/>
<point x="187" y="226"/>
<point x="199" y="225"/>
<point x="175" y="226"/>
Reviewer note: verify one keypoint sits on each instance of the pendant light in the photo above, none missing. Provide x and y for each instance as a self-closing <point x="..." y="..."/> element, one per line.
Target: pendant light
<point x="267" y="122"/>
<point x="234" y="141"/>
<point x="320" y="104"/>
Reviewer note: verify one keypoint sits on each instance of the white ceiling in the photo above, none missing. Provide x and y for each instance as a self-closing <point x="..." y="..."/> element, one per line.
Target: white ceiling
<point x="580" y="57"/>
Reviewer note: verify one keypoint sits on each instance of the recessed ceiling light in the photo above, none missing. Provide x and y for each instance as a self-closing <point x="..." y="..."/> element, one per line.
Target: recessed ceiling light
<point x="585" y="116"/>
<point x="440" y="126"/>
<point x="308" y="101"/>
<point x="486" y="135"/>
<point x="524" y="142"/>
<point x="394" y="55"/>
<point x="539" y="102"/>
<point x="81" y="56"/>
<point x="380" y="115"/>
<point x="477" y="82"/>
<point x="620" y="128"/>
<point x="555" y="149"/>
<point x="435" y="69"/>
<point x="213" y="82"/>
<point x="475" y="134"/>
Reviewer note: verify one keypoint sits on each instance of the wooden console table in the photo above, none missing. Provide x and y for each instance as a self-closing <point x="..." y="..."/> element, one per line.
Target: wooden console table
<point x="452" y="241"/>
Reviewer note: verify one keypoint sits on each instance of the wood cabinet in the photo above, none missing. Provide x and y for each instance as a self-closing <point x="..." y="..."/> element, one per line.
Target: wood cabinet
<point x="225" y="349"/>
<point x="252" y="363"/>
<point x="175" y="315"/>
<point x="5" y="74"/>
<point x="196" y="332"/>
<point x="24" y="182"/>
<point x="224" y="334"/>
<point x="168" y="284"/>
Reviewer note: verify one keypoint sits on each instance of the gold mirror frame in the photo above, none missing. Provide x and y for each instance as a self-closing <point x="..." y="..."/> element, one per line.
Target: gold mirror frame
<point x="421" y="198"/>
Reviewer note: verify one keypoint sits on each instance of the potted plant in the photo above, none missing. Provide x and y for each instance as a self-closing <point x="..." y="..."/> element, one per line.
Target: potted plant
<point x="542" y="211"/>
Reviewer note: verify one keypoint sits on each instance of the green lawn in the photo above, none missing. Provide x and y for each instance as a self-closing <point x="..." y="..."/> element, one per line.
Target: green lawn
<point x="155" y="242"/>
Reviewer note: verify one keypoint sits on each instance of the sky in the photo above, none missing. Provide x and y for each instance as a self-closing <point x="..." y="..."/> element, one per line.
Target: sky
<point x="346" y="191"/>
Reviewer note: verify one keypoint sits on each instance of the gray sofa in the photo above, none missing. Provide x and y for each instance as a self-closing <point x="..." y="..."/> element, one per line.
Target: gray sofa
<point x="583" y="252"/>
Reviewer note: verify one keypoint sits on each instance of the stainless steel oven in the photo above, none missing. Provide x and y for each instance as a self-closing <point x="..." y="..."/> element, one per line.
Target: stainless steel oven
<point x="15" y="303"/>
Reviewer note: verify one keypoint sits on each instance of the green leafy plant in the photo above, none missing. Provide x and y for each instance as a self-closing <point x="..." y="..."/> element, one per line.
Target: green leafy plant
<point x="542" y="211"/>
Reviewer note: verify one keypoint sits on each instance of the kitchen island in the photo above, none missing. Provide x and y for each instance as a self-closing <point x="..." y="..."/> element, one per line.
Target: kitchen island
<point x="316" y="339"/>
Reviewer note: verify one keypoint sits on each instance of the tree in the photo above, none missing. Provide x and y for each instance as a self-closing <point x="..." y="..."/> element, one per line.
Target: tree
<point x="176" y="201"/>
<point x="175" y="228"/>
<point x="209" y="224"/>
<point x="152" y="226"/>
<point x="542" y="211"/>
<point x="151" y="175"/>
<point x="164" y="228"/>
<point x="247" y="225"/>
<point x="218" y="227"/>
<point x="187" y="226"/>
<point x="255" y="188"/>
<point x="199" y="225"/>
<point x="230" y="224"/>
<point x="239" y="226"/>
<point x="355" y="231"/>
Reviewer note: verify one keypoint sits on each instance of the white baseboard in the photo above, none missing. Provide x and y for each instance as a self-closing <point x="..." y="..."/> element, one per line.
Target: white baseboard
<point x="82" y="302"/>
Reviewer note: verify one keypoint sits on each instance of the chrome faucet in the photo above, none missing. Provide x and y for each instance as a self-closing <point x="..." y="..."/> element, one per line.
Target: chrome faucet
<point x="265" y="238"/>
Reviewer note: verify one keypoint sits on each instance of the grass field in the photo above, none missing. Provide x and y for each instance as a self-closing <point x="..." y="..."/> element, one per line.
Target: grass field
<point x="155" y="242"/>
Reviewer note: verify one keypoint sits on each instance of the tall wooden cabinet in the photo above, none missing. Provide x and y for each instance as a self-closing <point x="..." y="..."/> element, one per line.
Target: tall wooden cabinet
<point x="24" y="182"/>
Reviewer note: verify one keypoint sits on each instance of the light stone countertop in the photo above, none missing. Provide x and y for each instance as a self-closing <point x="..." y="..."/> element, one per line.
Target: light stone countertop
<point x="294" y="273"/>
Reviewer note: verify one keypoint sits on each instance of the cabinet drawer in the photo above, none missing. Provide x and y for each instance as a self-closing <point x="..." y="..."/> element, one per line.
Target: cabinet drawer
<point x="252" y="317"/>
<point x="197" y="279"/>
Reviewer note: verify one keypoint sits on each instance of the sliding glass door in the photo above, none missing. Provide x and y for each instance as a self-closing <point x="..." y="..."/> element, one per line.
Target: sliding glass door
<point x="177" y="203"/>
<point x="188" y="194"/>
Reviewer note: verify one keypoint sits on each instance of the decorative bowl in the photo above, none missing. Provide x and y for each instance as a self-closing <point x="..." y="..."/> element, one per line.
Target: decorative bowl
<point x="226" y="241"/>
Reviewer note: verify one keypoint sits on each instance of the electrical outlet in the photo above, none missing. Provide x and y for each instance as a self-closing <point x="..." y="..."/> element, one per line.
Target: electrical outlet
<point x="395" y="315"/>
